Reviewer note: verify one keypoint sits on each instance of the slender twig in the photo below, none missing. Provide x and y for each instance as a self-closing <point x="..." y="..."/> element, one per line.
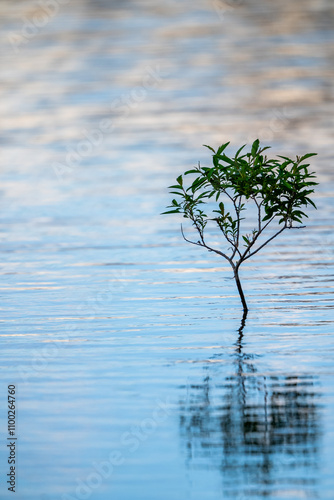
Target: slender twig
<point x="235" y="249"/>
<point x="237" y="211"/>
<point x="254" y="240"/>
<point x="266" y="242"/>
<point x="203" y="244"/>
<point x="258" y="213"/>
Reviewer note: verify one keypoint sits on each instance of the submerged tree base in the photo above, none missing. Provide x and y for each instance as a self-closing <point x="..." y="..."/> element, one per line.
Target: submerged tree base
<point x="241" y="293"/>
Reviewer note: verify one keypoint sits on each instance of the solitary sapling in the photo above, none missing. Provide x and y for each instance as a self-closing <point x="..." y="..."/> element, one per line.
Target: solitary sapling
<point x="278" y="189"/>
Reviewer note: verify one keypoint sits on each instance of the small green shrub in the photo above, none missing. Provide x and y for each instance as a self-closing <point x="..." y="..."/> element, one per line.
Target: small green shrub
<point x="279" y="190"/>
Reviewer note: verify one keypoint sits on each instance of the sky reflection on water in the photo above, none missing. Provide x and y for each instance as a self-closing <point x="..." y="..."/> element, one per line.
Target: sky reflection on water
<point x="106" y="312"/>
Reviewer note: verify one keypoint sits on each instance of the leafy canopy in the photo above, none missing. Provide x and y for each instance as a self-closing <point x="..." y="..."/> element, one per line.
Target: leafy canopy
<point x="279" y="188"/>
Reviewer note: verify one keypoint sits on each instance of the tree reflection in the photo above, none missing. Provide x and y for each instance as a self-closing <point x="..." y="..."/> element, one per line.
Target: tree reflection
<point x="261" y="432"/>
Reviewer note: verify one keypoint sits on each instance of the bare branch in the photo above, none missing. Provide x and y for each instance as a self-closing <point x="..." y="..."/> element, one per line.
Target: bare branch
<point x="239" y="220"/>
<point x="234" y="247"/>
<point x="242" y="258"/>
<point x="198" y="243"/>
<point x="265" y="243"/>
<point x="203" y="244"/>
<point x="258" y="212"/>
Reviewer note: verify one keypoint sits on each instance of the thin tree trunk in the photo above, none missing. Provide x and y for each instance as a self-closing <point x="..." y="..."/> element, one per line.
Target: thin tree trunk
<point x="240" y="290"/>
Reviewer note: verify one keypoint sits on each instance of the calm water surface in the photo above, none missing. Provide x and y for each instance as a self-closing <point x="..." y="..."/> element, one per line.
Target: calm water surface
<point x="135" y="379"/>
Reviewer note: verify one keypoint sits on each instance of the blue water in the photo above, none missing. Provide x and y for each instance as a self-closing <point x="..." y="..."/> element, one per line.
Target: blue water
<point x="134" y="377"/>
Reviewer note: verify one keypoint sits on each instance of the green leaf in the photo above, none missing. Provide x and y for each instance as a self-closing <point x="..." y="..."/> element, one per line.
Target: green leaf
<point x="171" y="212"/>
<point x="308" y="155"/>
<point x="240" y="149"/>
<point x="180" y="180"/>
<point x="202" y="195"/>
<point x="298" y="213"/>
<point x="222" y="147"/>
<point x="287" y="184"/>
<point x="224" y="158"/>
<point x="255" y="147"/>
<point x="215" y="161"/>
<point x="192" y="171"/>
<point x="285" y="158"/>
<point x="210" y="173"/>
<point x="310" y="201"/>
<point x="209" y="147"/>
